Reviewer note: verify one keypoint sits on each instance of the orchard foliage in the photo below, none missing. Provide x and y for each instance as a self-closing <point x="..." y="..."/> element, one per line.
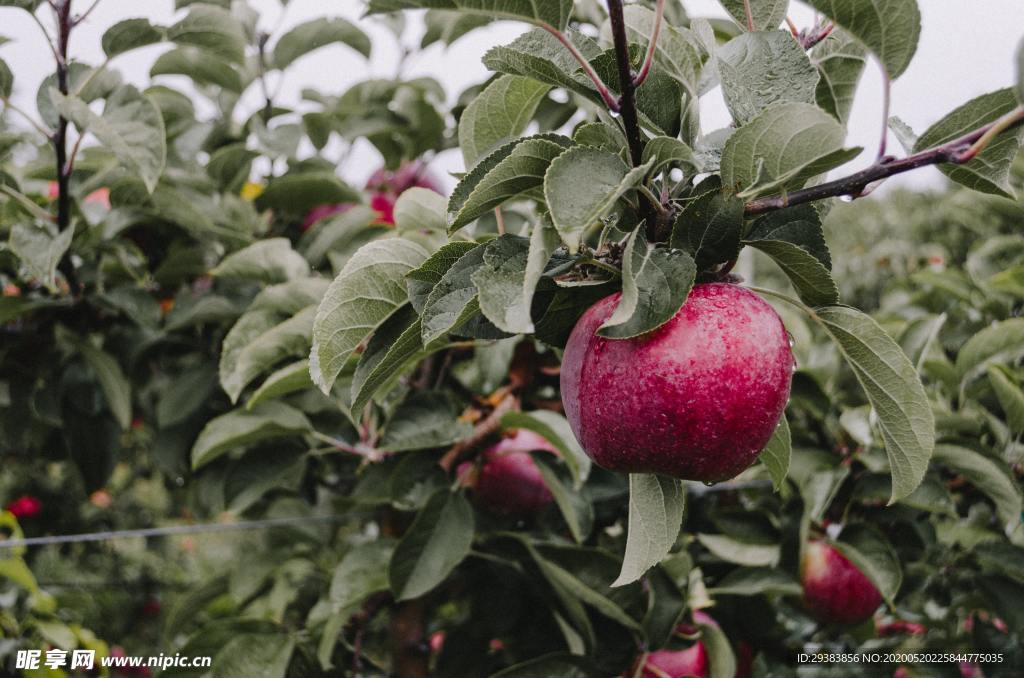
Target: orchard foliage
<point x="203" y="321"/>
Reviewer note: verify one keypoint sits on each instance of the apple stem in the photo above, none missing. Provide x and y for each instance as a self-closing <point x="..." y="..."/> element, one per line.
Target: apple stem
<point x="886" y="106"/>
<point x="957" y="152"/>
<point x="750" y="15"/>
<point x="652" y="46"/>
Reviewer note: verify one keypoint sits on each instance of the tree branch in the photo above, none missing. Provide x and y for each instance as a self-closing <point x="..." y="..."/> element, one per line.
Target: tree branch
<point x="606" y="94"/>
<point x="79" y="19"/>
<point x="487" y="426"/>
<point x="627" y="104"/>
<point x="63" y="16"/>
<point x="645" y="70"/>
<point x="750" y="15"/>
<point x="957" y="151"/>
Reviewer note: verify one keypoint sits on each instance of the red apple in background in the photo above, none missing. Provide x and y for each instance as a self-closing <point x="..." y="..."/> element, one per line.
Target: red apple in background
<point x="834" y="590"/>
<point x="385" y="187"/>
<point x="693" y="661"/>
<point x="25" y="507"/>
<point x="508" y="481"/>
<point x="698" y="398"/>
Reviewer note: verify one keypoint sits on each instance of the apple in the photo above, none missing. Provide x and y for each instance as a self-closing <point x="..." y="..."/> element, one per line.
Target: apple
<point x="698" y="398"/>
<point x="507" y="480"/>
<point x="693" y="661"/>
<point x="24" y="507"/>
<point x="385" y="187"/>
<point x="834" y="590"/>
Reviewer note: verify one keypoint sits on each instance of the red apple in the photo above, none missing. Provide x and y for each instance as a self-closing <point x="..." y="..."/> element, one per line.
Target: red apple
<point x="385" y="186"/>
<point x="835" y="591"/>
<point x="25" y="507"/>
<point x="698" y="398"/>
<point x="508" y="480"/>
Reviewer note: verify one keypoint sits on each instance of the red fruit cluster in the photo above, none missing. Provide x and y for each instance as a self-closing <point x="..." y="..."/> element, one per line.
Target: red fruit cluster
<point x="507" y="480"/>
<point x="384" y="188"/>
<point x="698" y="398"/>
<point x="835" y="591"/>
<point x="25" y="506"/>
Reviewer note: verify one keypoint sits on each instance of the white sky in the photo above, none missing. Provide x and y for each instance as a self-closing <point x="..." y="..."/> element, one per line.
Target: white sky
<point x="966" y="49"/>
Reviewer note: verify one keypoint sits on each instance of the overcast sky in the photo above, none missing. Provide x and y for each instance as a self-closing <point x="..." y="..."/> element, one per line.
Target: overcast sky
<point x="966" y="49"/>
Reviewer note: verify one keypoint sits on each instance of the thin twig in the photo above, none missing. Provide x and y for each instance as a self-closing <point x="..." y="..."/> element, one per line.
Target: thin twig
<point x="645" y="70"/>
<point x="82" y="17"/>
<point x="606" y="94"/>
<point x="957" y="151"/>
<point x="32" y="121"/>
<point x="750" y="15"/>
<point x="484" y="429"/>
<point x="74" y="153"/>
<point x="810" y="40"/>
<point x="499" y="219"/>
<point x="46" y="34"/>
<point x="792" y="28"/>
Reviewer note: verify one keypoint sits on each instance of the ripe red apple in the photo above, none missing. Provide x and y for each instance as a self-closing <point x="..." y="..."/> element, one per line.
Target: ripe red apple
<point x="693" y="661"/>
<point x="835" y="591"/>
<point x="25" y="507"/>
<point x="385" y="186"/>
<point x="508" y="481"/>
<point x="698" y="398"/>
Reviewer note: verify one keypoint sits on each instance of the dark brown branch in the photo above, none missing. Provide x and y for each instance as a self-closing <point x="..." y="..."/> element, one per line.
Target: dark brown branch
<point x="484" y="429"/>
<point x="60" y="139"/>
<point x="627" y="102"/>
<point x="958" y="151"/>
<point x="409" y="650"/>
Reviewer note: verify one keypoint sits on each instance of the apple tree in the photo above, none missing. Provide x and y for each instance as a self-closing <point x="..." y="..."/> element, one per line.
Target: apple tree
<point x="601" y="410"/>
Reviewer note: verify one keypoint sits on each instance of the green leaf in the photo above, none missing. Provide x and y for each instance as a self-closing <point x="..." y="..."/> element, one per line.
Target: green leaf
<point x="990" y="477"/>
<point x="761" y="69"/>
<point x="721" y="660"/>
<point x="446" y="27"/>
<point x="342" y="234"/>
<point x="291" y="297"/>
<point x="131" y="127"/>
<point x="423" y="421"/>
<point x="1010" y="397"/>
<point x="187" y="393"/>
<point x="317" y="33"/>
<point x="255" y="654"/>
<point x="766" y="14"/>
<point x="239" y="427"/>
<point x="498" y="114"/>
<point x="656" y="506"/>
<point x="539" y="55"/>
<point x="270" y="261"/>
<point x="556" y="430"/>
<point x="213" y="29"/>
<point x="894" y="390"/>
<point x="655" y="284"/>
<point x="285" y="381"/>
<point x="568" y="502"/>
<point x="889" y="28"/>
<point x="436" y="542"/>
<point x="230" y="166"/>
<point x="667" y="153"/>
<point x="453" y="300"/>
<point x="199" y="65"/>
<point x="300" y="192"/>
<point x="659" y="100"/>
<point x="740" y="552"/>
<point x="989" y="172"/>
<point x="130" y="34"/>
<point x="6" y="80"/>
<point x="755" y="582"/>
<point x="420" y="210"/>
<point x="421" y="281"/>
<point x="710" y="226"/>
<point x="782" y="148"/>
<point x="368" y="290"/>
<point x="552" y="12"/>
<point x="40" y="249"/>
<point x="261" y="353"/>
<point x="115" y="386"/>
<point x="394" y="348"/>
<point x="1000" y="342"/>
<point x="867" y="548"/>
<point x="840" y="61"/>
<point x="508" y="277"/>
<point x="506" y="173"/>
<point x="556" y="664"/>
<point x="794" y="240"/>
<point x="582" y="186"/>
<point x="776" y="454"/>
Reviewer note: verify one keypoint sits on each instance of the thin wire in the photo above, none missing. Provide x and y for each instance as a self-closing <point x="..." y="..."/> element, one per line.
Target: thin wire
<point x="165" y="531"/>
